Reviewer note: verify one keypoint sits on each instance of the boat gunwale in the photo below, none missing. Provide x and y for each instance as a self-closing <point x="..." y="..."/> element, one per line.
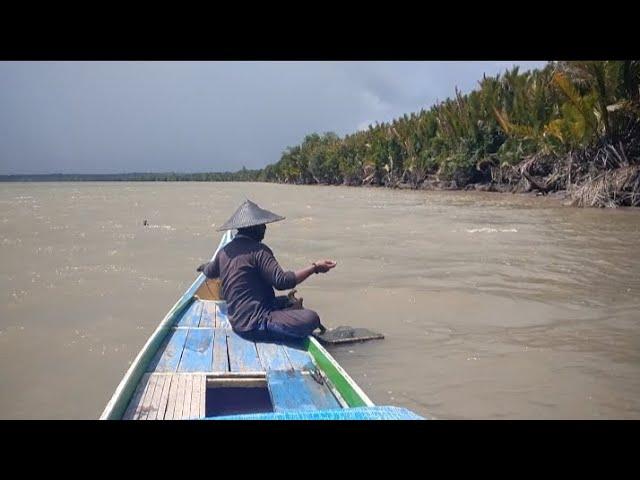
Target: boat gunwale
<point x="348" y="389"/>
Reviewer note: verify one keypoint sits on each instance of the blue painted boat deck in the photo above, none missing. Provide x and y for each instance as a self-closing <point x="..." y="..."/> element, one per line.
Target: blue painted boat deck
<point x="202" y="344"/>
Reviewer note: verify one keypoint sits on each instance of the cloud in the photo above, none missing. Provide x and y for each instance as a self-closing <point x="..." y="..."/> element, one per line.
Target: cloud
<point x="373" y="102"/>
<point x="104" y="117"/>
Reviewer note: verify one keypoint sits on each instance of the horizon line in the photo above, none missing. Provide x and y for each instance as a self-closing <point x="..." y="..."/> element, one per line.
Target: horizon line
<point x="124" y="173"/>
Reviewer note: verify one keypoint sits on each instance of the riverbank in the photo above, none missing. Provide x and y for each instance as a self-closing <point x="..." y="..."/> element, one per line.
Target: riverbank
<point x="446" y="186"/>
<point x="598" y="176"/>
<point x="559" y="195"/>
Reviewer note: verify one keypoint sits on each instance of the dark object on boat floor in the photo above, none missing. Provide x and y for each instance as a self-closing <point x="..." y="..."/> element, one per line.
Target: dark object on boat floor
<point x="345" y="334"/>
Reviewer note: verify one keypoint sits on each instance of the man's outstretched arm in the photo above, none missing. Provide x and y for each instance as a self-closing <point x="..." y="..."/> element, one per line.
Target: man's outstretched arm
<point x="321" y="266"/>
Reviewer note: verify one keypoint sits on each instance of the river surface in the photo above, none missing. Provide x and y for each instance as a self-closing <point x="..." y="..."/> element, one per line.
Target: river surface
<point x="494" y="306"/>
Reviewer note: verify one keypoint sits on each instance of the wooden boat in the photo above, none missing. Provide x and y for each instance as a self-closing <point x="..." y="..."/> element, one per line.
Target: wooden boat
<point x="195" y="367"/>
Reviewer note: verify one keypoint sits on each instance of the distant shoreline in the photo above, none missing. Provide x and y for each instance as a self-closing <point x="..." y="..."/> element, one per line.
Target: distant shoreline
<point x="243" y="175"/>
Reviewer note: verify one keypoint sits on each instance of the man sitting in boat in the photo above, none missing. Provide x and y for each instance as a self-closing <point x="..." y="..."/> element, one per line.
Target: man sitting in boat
<point x="249" y="272"/>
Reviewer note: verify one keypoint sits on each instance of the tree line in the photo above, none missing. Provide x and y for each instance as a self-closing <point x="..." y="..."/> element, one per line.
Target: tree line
<point x="562" y="127"/>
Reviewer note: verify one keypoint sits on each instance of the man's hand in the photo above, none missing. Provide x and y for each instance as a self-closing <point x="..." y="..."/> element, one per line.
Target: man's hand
<point x="323" y="266"/>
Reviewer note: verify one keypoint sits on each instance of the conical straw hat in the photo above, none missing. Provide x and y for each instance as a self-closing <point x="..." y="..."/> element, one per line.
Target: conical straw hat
<point x="248" y="215"/>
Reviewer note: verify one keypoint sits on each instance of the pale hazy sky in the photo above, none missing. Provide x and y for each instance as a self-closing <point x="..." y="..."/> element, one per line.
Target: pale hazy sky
<point x="110" y="117"/>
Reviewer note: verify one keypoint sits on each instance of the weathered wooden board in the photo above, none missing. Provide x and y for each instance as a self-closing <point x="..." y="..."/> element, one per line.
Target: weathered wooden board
<point x="164" y="397"/>
<point x="291" y="390"/>
<point x="299" y="358"/>
<point x="273" y="357"/>
<point x="191" y="316"/>
<point x="208" y="318"/>
<point x="169" y="353"/>
<point x="186" y="400"/>
<point x="179" y="398"/>
<point x="197" y="396"/>
<point x="198" y="351"/>
<point x="243" y="356"/>
<point x="321" y="394"/>
<point x="173" y="398"/>
<point x="145" y="406"/>
<point x="220" y="355"/>
<point x="154" y="405"/>
<point x="136" y="400"/>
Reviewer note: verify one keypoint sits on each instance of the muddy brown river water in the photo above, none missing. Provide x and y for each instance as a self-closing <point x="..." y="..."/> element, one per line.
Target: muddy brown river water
<point x="493" y="305"/>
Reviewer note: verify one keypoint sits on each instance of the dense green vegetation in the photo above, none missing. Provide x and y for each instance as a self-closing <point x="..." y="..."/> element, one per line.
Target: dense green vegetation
<point x="570" y="126"/>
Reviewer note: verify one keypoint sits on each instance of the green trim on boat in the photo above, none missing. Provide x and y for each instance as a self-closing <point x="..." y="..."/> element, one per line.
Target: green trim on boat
<point x="340" y="380"/>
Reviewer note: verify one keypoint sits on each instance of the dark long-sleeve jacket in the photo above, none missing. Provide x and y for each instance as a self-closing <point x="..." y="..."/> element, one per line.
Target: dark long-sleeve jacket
<point x="248" y="272"/>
